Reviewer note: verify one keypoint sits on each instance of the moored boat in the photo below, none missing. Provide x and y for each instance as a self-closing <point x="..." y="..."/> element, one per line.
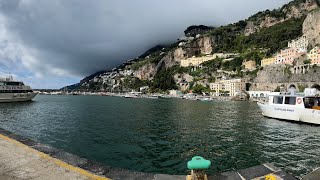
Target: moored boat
<point x="15" y="91"/>
<point x="133" y="95"/>
<point x="293" y="107"/>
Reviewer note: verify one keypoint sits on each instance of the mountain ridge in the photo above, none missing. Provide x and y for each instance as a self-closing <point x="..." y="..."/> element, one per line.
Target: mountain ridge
<point x="237" y="37"/>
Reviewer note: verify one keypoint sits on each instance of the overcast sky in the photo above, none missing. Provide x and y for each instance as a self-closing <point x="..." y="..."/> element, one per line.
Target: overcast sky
<point x="53" y="43"/>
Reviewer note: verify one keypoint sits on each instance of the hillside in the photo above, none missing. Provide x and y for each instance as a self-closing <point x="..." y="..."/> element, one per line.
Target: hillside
<point x="261" y="35"/>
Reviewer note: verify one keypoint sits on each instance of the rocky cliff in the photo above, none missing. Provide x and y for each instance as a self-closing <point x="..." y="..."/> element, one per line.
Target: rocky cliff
<point x="294" y="9"/>
<point x="202" y="45"/>
<point x="311" y="28"/>
<point x="146" y="72"/>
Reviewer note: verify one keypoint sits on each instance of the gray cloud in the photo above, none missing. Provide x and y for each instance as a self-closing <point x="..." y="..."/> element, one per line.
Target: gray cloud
<point x="80" y="37"/>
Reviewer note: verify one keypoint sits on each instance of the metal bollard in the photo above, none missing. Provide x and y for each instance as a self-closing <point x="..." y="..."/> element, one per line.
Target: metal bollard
<point x="198" y="165"/>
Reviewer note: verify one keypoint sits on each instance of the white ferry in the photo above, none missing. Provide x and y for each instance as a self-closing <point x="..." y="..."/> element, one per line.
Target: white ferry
<point x="15" y="91"/>
<point x="292" y="106"/>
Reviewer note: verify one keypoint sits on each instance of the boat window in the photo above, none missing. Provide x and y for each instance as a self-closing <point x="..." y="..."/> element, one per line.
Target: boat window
<point x="309" y="102"/>
<point x="317" y="102"/>
<point x="1" y="83"/>
<point x="12" y="83"/>
<point x="290" y="100"/>
<point x="277" y="99"/>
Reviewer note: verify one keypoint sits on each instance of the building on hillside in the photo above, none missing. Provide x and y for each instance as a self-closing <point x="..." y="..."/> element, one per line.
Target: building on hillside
<point x="175" y="93"/>
<point x="268" y="61"/>
<point x="287" y="56"/>
<point x="197" y="61"/>
<point x="249" y="65"/>
<point x="230" y="87"/>
<point x="314" y="55"/>
<point x="300" y="43"/>
<point x="184" y="86"/>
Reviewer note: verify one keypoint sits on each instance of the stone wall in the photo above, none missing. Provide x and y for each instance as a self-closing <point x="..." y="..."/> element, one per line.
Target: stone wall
<point x="274" y="76"/>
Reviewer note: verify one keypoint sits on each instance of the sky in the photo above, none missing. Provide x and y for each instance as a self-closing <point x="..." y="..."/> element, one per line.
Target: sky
<point x="51" y="44"/>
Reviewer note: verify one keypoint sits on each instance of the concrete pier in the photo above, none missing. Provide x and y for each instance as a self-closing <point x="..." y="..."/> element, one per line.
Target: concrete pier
<point x="18" y="161"/>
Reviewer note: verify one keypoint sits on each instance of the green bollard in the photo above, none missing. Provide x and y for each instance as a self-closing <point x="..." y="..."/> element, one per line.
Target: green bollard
<point x="198" y="165"/>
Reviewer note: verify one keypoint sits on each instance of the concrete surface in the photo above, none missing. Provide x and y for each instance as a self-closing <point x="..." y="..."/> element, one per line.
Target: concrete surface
<point x="18" y="161"/>
<point x="314" y="175"/>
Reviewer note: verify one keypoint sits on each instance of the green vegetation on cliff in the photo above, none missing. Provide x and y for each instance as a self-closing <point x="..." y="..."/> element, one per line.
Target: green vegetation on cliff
<point x="163" y="80"/>
<point x="230" y="39"/>
<point x="273" y="38"/>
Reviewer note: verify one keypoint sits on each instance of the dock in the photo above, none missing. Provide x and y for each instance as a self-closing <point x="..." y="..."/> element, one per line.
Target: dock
<point x="22" y="158"/>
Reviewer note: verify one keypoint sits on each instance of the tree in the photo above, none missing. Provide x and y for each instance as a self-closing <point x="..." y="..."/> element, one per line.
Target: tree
<point x="199" y="89"/>
<point x="163" y="80"/>
<point x="307" y="61"/>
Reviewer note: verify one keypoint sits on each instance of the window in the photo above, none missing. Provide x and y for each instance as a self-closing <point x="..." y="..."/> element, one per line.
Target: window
<point x="317" y="102"/>
<point x="13" y="83"/>
<point x="309" y="102"/>
<point x="277" y="99"/>
<point x="290" y="100"/>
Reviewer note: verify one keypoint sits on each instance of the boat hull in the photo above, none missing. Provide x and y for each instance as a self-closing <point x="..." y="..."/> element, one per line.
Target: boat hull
<point x="293" y="113"/>
<point x="16" y="97"/>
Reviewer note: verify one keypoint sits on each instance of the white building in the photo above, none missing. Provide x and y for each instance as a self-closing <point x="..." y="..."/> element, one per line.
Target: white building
<point x="230" y="87"/>
<point x="300" y="43"/>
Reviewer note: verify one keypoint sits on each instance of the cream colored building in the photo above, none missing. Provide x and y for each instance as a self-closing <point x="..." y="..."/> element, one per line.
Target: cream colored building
<point x="197" y="61"/>
<point x="249" y="65"/>
<point x="300" y="43"/>
<point x="314" y="55"/>
<point x="232" y="86"/>
<point x="268" y="61"/>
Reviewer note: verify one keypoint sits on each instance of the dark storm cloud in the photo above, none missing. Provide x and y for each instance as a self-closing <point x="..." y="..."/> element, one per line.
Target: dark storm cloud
<point x="81" y="37"/>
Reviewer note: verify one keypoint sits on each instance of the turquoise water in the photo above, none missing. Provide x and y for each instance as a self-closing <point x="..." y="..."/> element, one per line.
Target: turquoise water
<point x="162" y="135"/>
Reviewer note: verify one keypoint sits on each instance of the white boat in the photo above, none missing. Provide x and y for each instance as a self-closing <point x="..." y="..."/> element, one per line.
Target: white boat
<point x="205" y="99"/>
<point x="292" y="106"/>
<point x="151" y="97"/>
<point x="133" y="95"/>
<point x="15" y="91"/>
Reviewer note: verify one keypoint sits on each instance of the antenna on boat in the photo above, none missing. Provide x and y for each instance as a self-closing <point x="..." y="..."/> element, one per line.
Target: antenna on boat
<point x="10" y="77"/>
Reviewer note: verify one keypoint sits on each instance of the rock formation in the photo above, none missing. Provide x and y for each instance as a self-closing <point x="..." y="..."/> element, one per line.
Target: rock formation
<point x="311" y="28"/>
<point x="146" y="72"/>
<point x="268" y="18"/>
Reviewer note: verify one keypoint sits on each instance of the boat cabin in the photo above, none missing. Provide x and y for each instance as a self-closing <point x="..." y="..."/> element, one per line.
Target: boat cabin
<point x="9" y="86"/>
<point x="310" y="102"/>
<point x="11" y="83"/>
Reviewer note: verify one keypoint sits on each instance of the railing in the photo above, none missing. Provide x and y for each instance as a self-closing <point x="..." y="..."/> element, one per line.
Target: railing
<point x="15" y="88"/>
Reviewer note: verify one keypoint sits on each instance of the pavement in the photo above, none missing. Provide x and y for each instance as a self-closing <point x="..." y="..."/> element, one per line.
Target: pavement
<point x="18" y="161"/>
